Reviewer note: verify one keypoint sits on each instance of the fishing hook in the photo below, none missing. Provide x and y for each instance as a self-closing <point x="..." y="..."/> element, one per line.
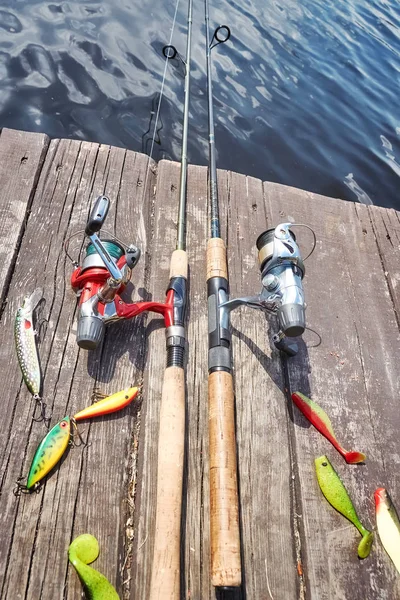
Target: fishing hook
<point x="42" y="415"/>
<point x="20" y="488"/>
<point x="81" y="440"/>
<point x="97" y="395"/>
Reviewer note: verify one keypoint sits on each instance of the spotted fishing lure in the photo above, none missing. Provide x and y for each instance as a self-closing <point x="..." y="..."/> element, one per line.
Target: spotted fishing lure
<point x="83" y="551"/>
<point x="25" y="342"/>
<point x="48" y="453"/>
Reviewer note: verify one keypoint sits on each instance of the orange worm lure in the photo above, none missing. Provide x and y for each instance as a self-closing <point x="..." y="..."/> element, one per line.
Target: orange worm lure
<point x="108" y="405"/>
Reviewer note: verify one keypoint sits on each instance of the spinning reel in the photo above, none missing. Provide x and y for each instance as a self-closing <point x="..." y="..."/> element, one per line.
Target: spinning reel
<point x="105" y="271"/>
<point x="282" y="272"/>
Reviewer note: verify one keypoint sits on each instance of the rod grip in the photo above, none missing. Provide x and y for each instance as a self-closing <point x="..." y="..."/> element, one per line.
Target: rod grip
<point x="224" y="503"/>
<point x="216" y="258"/>
<point x="165" y="576"/>
<point x="179" y="264"/>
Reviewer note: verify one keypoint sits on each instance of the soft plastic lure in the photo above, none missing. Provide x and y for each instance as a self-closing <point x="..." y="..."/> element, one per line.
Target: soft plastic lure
<point x="108" y="405"/>
<point x="388" y="525"/>
<point x="83" y="551"/>
<point x="49" y="452"/>
<point x="336" y="494"/>
<point x="25" y="343"/>
<point x="318" y="417"/>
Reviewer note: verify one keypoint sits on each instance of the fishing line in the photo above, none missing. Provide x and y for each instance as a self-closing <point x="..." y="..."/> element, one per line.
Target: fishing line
<point x="314" y="237"/>
<point x="160" y="99"/>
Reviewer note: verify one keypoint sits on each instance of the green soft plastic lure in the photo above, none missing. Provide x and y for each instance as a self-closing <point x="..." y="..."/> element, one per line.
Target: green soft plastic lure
<point x="25" y="343"/>
<point x="83" y="551"/>
<point x="49" y="452"/>
<point x="336" y="494"/>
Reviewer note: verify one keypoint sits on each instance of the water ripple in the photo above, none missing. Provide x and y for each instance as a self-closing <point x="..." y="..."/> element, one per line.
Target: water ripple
<point x="306" y="94"/>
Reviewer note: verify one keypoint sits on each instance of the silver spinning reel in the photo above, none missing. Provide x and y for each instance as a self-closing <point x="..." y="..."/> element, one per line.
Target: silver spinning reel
<point x="282" y="271"/>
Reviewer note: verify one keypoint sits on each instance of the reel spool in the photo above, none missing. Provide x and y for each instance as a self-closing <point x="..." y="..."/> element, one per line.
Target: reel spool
<point x="92" y="258"/>
<point x="282" y="270"/>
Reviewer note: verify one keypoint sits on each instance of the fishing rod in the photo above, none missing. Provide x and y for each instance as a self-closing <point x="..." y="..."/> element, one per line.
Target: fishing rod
<point x="224" y="501"/>
<point x="105" y="271"/>
<point x="282" y="271"/>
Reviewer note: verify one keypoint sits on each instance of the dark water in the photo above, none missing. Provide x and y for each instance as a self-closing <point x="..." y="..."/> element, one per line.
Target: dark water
<point x="306" y="93"/>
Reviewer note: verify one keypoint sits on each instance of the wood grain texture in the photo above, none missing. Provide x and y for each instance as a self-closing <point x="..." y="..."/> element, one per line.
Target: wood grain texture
<point x="21" y="159"/>
<point x="163" y="227"/>
<point x="269" y="531"/>
<point x="294" y="545"/>
<point x="90" y="490"/>
<point x="353" y="374"/>
<point x="386" y="226"/>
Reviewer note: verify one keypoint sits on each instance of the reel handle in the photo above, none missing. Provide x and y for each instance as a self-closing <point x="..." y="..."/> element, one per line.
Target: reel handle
<point x="97" y="215"/>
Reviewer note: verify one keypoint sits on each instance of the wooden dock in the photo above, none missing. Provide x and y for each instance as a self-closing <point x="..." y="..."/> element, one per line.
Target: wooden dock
<point x="294" y="545"/>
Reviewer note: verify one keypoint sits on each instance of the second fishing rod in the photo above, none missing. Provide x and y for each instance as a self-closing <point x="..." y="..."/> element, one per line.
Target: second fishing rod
<point x="282" y="271"/>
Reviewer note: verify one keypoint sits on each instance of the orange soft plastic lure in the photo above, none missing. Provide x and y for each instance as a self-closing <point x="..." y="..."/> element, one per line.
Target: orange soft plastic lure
<point x="108" y="405"/>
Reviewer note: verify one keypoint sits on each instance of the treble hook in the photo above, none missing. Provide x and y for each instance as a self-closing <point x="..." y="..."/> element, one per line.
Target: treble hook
<point x="20" y="488"/>
<point x="81" y="440"/>
<point x="42" y="414"/>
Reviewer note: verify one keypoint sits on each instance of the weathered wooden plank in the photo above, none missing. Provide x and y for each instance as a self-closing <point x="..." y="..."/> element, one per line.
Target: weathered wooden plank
<point x="268" y="543"/>
<point x="353" y="374"/>
<point x="88" y="491"/>
<point x="164" y="242"/>
<point x="351" y="287"/>
<point x="109" y="459"/>
<point x="43" y="240"/>
<point x="386" y="225"/>
<point x="21" y="159"/>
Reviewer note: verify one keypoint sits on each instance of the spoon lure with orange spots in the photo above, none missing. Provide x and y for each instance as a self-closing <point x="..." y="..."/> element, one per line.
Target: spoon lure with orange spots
<point x="27" y="353"/>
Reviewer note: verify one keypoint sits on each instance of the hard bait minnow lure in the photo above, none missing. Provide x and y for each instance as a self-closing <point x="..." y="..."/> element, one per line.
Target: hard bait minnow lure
<point x="83" y="551"/>
<point x="388" y="525"/>
<point x="27" y="353"/>
<point x="48" y="453"/>
<point x="321" y="422"/>
<point x="336" y="494"/>
<point x="108" y="405"/>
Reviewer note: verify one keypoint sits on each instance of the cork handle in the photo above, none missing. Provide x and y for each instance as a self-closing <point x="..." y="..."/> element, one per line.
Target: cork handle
<point x="179" y="264"/>
<point x="224" y="506"/>
<point x="216" y="258"/>
<point x="165" y="576"/>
